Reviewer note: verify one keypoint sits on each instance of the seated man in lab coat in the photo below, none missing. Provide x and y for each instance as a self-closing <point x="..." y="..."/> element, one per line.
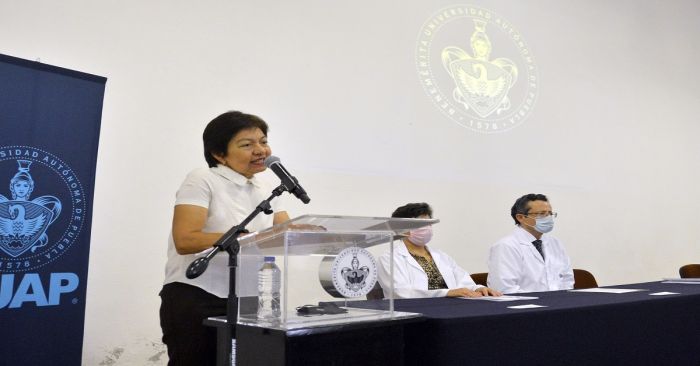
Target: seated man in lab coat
<point x="422" y="271"/>
<point x="530" y="260"/>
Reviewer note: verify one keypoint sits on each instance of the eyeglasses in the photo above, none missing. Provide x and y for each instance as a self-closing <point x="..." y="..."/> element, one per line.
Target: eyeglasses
<point x="541" y="215"/>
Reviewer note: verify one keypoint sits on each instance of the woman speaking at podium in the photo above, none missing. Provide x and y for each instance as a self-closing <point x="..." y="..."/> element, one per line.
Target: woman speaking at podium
<point x="208" y="203"/>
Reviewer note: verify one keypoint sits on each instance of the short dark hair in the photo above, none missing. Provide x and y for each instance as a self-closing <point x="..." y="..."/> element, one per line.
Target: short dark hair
<point x="223" y="128"/>
<point x="413" y="210"/>
<point x="521" y="204"/>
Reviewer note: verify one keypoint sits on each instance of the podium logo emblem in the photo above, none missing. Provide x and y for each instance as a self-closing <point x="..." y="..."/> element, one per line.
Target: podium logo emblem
<point x="476" y="68"/>
<point x="34" y="229"/>
<point x="354" y="272"/>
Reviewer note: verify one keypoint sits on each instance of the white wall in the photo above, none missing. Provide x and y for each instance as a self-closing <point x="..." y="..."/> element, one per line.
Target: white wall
<point x="610" y="139"/>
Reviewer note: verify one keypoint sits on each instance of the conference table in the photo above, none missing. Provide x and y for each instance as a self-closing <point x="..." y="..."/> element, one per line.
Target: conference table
<point x="657" y="325"/>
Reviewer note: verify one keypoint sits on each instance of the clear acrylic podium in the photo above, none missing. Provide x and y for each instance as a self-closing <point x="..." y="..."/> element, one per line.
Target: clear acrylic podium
<point x="303" y="247"/>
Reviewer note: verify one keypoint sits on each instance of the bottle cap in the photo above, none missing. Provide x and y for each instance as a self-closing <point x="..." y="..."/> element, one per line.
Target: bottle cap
<point x="269" y="259"/>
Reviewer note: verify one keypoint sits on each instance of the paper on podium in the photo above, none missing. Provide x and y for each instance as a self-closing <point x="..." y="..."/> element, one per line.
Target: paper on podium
<point x="527" y="306"/>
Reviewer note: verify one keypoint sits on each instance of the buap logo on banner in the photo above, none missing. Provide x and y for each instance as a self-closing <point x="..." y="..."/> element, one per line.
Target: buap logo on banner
<point x="39" y="222"/>
<point x="476" y="68"/>
<point x="51" y="119"/>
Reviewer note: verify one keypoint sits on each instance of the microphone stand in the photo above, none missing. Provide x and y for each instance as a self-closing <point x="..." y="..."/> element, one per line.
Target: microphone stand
<point x="229" y="243"/>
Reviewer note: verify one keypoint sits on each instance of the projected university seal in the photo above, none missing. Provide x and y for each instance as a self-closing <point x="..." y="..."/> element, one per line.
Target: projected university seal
<point x="476" y="68"/>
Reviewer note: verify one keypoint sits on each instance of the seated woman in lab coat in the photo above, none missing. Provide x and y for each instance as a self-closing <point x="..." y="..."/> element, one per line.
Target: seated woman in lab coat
<point x="422" y="271"/>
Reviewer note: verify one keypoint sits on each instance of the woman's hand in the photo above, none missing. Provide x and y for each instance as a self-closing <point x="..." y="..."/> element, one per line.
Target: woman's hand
<point x="306" y="227"/>
<point x="280" y="217"/>
<point x="463" y="292"/>
<point x="488" y="291"/>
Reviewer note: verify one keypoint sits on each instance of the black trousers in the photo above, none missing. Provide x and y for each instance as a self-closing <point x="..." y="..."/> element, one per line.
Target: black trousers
<point x="182" y="310"/>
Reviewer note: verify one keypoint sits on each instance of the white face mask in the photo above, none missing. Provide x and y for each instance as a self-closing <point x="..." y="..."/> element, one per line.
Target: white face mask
<point x="544" y="224"/>
<point x="421" y="236"/>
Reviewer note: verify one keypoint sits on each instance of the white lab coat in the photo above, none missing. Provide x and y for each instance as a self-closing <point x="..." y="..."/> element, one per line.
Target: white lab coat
<point x="515" y="265"/>
<point x="410" y="280"/>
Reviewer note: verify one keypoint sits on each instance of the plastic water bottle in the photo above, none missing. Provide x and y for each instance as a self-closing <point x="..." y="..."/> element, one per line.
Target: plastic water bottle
<point x="269" y="278"/>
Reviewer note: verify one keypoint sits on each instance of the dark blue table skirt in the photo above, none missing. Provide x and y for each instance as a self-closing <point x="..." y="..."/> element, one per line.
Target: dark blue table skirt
<point x="573" y="329"/>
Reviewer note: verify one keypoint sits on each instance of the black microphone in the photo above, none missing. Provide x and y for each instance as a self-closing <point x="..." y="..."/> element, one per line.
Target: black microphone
<point x="290" y="183"/>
